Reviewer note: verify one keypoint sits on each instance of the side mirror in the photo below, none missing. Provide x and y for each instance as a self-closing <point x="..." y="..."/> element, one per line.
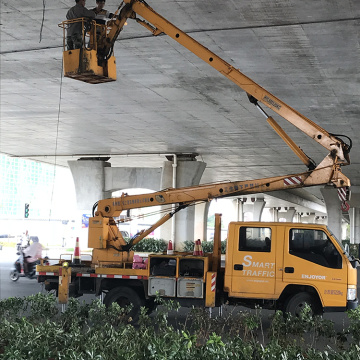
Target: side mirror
<point x="347" y="248"/>
<point x="355" y="263"/>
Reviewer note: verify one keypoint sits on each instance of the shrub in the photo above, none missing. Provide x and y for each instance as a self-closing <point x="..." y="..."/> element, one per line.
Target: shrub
<point x="151" y="245"/>
<point x="91" y="331"/>
<point x="207" y="246"/>
<point x="354" y="327"/>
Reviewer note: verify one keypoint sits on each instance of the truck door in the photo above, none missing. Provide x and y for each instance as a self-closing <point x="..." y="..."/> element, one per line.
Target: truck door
<point x="253" y="261"/>
<point x="312" y="258"/>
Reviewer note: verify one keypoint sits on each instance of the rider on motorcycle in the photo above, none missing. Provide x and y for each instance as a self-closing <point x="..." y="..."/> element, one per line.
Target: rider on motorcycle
<point x="32" y="253"/>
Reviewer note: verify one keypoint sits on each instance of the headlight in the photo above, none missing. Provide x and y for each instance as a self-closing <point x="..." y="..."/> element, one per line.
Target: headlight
<point x="351" y="294"/>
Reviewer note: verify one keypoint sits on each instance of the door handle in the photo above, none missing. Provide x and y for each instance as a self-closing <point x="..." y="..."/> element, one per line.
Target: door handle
<point x="289" y="270"/>
<point x="238" y="267"/>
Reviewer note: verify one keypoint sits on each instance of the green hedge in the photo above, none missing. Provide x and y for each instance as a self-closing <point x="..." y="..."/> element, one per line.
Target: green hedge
<point x="33" y="328"/>
<point x="160" y="245"/>
<point x="207" y="246"/>
<point x="150" y="245"/>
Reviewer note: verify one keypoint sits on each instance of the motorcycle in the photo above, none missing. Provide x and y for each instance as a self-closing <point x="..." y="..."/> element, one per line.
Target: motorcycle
<point x="19" y="270"/>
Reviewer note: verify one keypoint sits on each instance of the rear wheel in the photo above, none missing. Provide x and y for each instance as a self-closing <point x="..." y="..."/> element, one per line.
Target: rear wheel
<point x="150" y="305"/>
<point x="125" y="297"/>
<point x="296" y="303"/>
<point x="14" y="275"/>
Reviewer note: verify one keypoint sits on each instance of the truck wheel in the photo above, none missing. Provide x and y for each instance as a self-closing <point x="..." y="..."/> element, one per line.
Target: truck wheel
<point x="296" y="303"/>
<point x="125" y="296"/>
<point x="32" y="275"/>
<point x="14" y="275"/>
<point x="150" y="305"/>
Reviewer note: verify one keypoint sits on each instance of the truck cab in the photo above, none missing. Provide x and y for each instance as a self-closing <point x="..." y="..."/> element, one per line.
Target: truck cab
<point x="289" y="264"/>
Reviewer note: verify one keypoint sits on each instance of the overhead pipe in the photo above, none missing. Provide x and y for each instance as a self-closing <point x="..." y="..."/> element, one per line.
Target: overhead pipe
<point x="173" y="221"/>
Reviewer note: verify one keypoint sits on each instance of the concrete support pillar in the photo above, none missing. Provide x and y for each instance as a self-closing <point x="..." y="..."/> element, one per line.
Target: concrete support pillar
<point x="288" y="215"/>
<point x="188" y="173"/>
<point x="321" y="220"/>
<point x="354" y="213"/>
<point x="308" y="218"/>
<point x="89" y="181"/>
<point x="274" y="214"/>
<point x="333" y="210"/>
<point x="201" y="218"/>
<point x="344" y="230"/>
<point x="259" y="205"/>
<point x="255" y="207"/>
<point x="238" y="209"/>
<point x="297" y="218"/>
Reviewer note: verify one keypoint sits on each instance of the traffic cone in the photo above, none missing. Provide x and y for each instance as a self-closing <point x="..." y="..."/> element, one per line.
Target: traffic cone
<point x="170" y="250"/>
<point x="196" y="249"/>
<point x="76" y="259"/>
<point x="201" y="253"/>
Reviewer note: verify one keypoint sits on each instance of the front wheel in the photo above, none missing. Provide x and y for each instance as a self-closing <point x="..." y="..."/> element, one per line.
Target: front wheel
<point x="14" y="275"/>
<point x="125" y="297"/>
<point x="32" y="274"/>
<point x="296" y="304"/>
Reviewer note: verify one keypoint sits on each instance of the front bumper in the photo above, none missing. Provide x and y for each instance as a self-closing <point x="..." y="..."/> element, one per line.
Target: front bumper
<point x="352" y="304"/>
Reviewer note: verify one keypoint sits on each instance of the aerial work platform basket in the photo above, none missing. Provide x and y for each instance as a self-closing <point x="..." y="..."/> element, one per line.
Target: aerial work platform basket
<point x="84" y="60"/>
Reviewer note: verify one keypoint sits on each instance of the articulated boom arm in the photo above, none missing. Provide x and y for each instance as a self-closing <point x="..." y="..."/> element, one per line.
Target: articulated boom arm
<point x="190" y="195"/>
<point x="325" y="173"/>
<point x="103" y="232"/>
<point x="157" y="25"/>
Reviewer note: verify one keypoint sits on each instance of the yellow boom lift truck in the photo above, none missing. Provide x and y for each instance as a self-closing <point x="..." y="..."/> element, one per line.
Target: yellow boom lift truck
<point x="277" y="265"/>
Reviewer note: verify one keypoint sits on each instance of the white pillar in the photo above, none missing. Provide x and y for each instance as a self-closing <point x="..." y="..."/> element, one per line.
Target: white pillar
<point x="333" y="209"/>
<point x="321" y="220"/>
<point x="189" y="172"/>
<point x="297" y="218"/>
<point x="238" y="204"/>
<point x="89" y="181"/>
<point x="201" y="217"/>
<point x="275" y="214"/>
<point x="344" y="230"/>
<point x="308" y="218"/>
<point x="354" y="213"/>
<point x="255" y="207"/>
<point x="288" y="215"/>
<point x="258" y="207"/>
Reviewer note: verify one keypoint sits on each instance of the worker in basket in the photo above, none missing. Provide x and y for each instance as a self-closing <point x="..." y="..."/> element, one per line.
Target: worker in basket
<point x="74" y="38"/>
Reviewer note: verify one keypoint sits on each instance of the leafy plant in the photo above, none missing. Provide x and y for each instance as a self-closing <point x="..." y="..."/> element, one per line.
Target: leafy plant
<point x="151" y="245"/>
<point x="92" y="331"/>
<point x="207" y="246"/>
<point x="354" y="327"/>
